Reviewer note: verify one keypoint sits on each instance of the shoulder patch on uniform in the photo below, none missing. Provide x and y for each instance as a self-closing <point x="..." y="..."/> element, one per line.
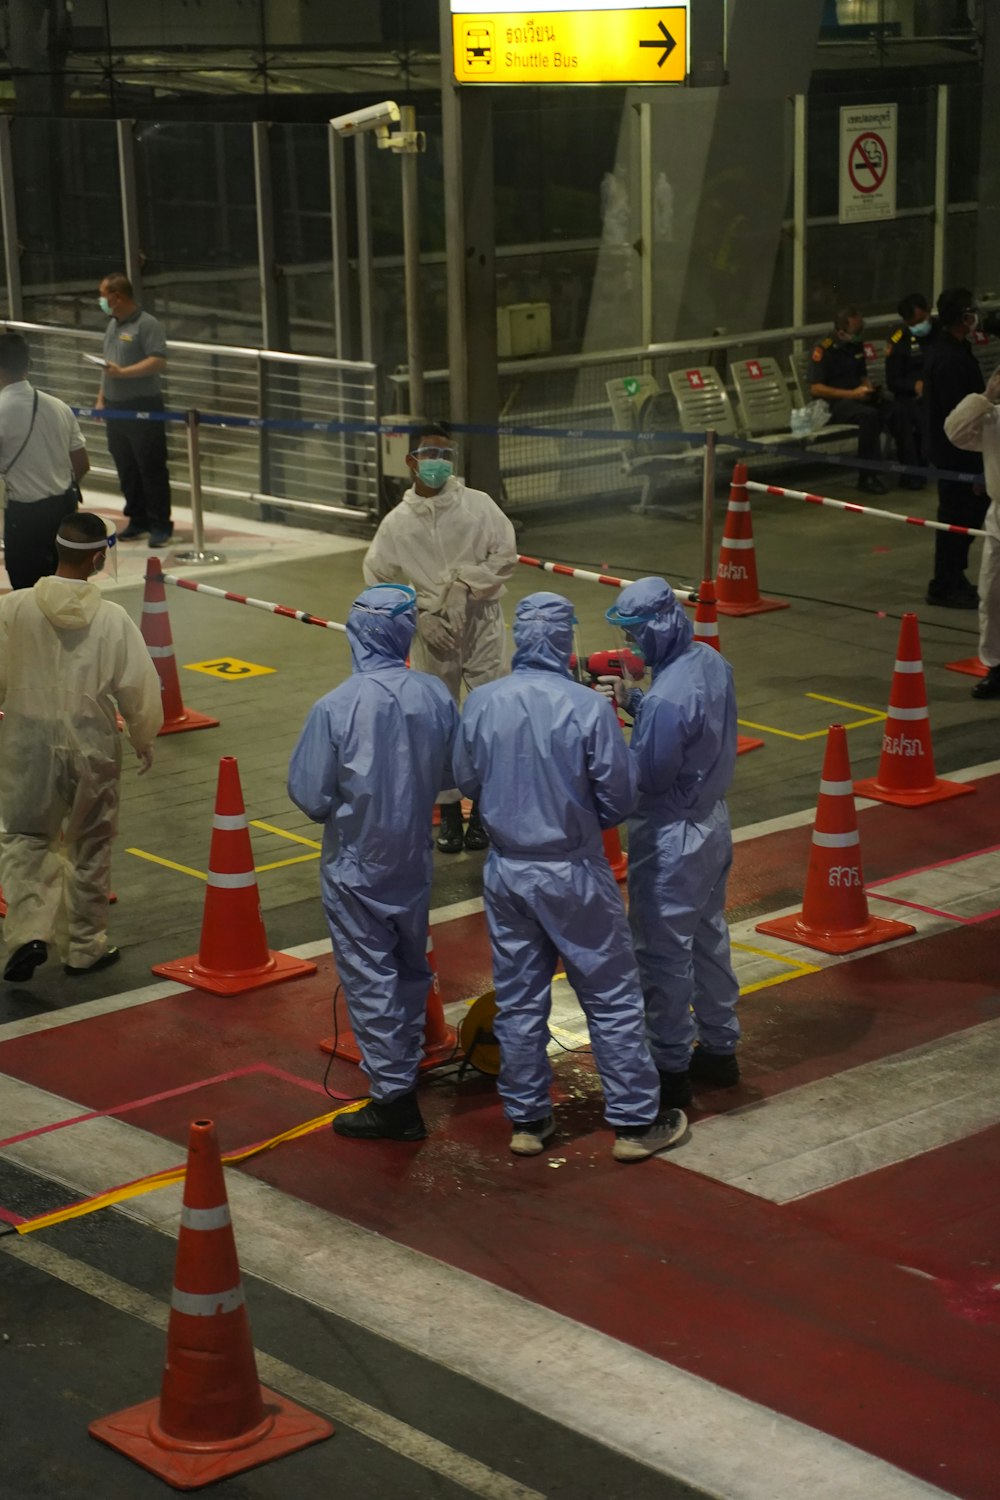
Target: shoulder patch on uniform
<point x="817" y="354"/>
<point x="894" y="338"/>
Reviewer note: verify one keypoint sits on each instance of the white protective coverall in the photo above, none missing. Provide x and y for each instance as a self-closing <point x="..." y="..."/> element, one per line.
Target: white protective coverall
<point x="68" y="657"/>
<point x="975" y="424"/>
<point x="458" y="535"/>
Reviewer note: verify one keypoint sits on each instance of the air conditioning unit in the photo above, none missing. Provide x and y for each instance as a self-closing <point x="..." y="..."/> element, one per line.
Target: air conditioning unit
<point x="524" y="328"/>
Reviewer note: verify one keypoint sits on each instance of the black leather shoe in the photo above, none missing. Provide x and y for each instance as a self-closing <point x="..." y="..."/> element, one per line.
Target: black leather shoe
<point x="675" y="1090"/>
<point x="956" y="598"/>
<point x="104" y="962"/>
<point x="872" y="484"/>
<point x="989" y="687"/>
<point x="716" y="1070"/>
<point x="451" y="834"/>
<point x="132" y="532"/>
<point x="25" y="960"/>
<point x="391" y="1120"/>
<point x="475" y="834"/>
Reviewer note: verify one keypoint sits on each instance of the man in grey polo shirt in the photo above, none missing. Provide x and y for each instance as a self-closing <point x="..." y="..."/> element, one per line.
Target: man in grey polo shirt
<point x="135" y="353"/>
<point x="43" y="457"/>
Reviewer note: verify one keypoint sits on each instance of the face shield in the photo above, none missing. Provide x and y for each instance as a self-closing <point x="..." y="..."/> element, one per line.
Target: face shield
<point x="108" y="563"/>
<point x="393" y="599"/>
<point x="624" y="630"/>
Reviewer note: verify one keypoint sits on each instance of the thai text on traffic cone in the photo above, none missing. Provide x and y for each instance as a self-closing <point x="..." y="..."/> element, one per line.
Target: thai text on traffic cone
<point x="706" y="630"/>
<point x="834" y="916"/>
<point x="906" y="774"/>
<point x="212" y="1417"/>
<point x="233" y="955"/>
<point x="439" y="1038"/>
<point x="160" y="645"/>
<point x="736" y="588"/>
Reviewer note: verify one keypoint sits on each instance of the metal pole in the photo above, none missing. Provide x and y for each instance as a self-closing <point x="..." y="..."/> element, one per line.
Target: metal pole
<point x="940" y="191"/>
<point x="366" y="270"/>
<point x="130" y="204"/>
<point x="8" y="208"/>
<point x="196" y="553"/>
<point x="270" y="312"/>
<point x="646" y="221"/>
<point x="342" y="341"/>
<point x="411" y="264"/>
<point x="800" y="149"/>
<point x="452" y="144"/>
<point x="707" y="506"/>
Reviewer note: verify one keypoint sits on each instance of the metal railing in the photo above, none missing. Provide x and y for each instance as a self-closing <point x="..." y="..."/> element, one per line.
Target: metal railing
<point x="301" y="468"/>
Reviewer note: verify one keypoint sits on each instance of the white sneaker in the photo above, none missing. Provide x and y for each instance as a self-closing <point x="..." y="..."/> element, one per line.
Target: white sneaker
<point x="636" y="1145"/>
<point x="530" y="1136"/>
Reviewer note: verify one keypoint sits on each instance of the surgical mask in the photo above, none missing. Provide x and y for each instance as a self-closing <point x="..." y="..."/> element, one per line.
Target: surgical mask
<point x="852" y="338"/>
<point x="434" y="472"/>
<point x="972" y="321"/>
<point x="921" y="330"/>
<point x="105" y="306"/>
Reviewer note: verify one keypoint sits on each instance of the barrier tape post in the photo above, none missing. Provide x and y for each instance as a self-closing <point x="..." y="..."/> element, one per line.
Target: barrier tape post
<point x="196" y="553"/>
<point x="706" y="630"/>
<point x="861" y="510"/>
<point x="736" y="589"/>
<point x="563" y="570"/>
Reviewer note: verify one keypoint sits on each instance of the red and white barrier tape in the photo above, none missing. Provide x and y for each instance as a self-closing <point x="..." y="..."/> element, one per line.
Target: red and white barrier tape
<point x="687" y="596"/>
<point x="863" y="510"/>
<point x="274" y="609"/>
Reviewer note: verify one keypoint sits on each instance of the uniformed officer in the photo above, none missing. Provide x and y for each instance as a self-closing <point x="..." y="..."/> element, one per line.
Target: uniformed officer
<point x="952" y="372"/>
<point x="135" y="353"/>
<point x="904" y="375"/>
<point x="840" y="377"/>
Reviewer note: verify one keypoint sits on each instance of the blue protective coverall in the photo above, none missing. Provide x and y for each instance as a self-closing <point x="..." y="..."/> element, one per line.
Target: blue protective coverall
<point x="680" y="846"/>
<point x="546" y="761"/>
<point x="370" y="761"/>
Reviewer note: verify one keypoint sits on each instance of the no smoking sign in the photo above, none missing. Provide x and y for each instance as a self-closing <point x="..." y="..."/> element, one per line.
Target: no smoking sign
<point x="867" y="162"/>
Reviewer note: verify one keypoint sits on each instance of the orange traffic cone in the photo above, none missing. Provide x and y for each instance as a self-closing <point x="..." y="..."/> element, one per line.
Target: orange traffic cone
<point x="160" y="645"/>
<point x="906" y="774"/>
<point x="212" y="1418"/>
<point x="834" y="916"/>
<point x="706" y="630"/>
<point x="233" y="955"/>
<point x="440" y="1039"/>
<point x="972" y="666"/>
<point x="616" y="856"/>
<point x="736" y="587"/>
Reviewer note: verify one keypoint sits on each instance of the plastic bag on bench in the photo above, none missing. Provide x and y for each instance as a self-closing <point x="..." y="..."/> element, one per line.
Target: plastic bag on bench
<point x="807" y="419"/>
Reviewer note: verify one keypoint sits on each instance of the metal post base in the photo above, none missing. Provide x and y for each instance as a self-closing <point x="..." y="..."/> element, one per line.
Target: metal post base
<point x="196" y="558"/>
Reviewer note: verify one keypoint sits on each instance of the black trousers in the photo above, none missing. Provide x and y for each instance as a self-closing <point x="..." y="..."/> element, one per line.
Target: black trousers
<point x="907" y="428"/>
<point x="866" y="417"/>
<point x="139" y="450"/>
<point x="29" y="536"/>
<point x="958" y="506"/>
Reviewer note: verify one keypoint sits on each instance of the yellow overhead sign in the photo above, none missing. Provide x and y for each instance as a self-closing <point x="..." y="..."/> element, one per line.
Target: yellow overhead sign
<point x="639" y="45"/>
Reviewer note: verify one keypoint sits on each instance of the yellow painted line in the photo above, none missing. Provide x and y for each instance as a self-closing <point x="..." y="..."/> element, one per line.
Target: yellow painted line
<point x="797" y="966"/>
<point x="170" y="864"/>
<point x="296" y="838"/>
<point x="875" y="717"/>
<point x="279" y="864"/>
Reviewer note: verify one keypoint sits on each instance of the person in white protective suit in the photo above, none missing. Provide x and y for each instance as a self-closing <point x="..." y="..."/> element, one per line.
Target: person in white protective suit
<point x="680" y="846"/>
<point x="371" y="758"/>
<point x="457" y="549"/>
<point x="68" y="660"/>
<point x="547" y="758"/>
<point x="975" y="424"/>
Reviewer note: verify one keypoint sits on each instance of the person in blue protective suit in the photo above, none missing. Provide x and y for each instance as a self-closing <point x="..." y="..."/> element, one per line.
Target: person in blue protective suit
<point x="679" y="842"/>
<point x="545" y="760"/>
<point x="370" y="761"/>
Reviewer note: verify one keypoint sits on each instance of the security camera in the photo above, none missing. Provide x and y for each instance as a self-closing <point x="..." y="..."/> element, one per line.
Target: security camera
<point x="374" y="117"/>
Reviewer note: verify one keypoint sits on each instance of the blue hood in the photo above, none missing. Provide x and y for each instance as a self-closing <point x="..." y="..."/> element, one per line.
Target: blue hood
<point x="649" y="612"/>
<point x="380" y="626"/>
<point x="543" y="633"/>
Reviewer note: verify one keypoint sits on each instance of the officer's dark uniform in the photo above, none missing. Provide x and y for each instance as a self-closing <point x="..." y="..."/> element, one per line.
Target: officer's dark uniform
<point x="951" y="372"/>
<point x="904" y="370"/>
<point x="843" y="366"/>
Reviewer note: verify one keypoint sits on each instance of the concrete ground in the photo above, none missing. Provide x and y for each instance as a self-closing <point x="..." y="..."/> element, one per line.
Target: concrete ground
<point x="81" y="1303"/>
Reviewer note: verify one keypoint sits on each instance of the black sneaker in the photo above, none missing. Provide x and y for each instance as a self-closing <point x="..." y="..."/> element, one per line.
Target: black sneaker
<point x="25" y="960"/>
<point x="104" y="962"/>
<point x="648" y="1140"/>
<point x="386" y="1120"/>
<point x="716" y="1070"/>
<point x="953" y="598"/>
<point x="528" y="1137"/>
<point x="989" y="687"/>
<point x="132" y="532"/>
<point x="161" y="538"/>
<point x="675" y="1090"/>
<point x="451" y="834"/>
<point x="476" y="836"/>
